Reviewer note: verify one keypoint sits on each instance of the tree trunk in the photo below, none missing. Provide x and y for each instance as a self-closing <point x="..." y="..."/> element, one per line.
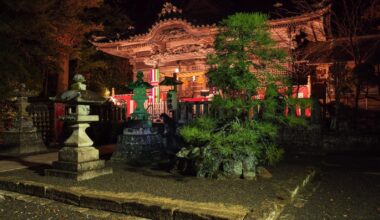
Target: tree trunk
<point x="63" y="76"/>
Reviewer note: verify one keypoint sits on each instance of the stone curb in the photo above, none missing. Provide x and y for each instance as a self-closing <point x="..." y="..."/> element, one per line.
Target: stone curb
<point x="127" y="203"/>
<point x="89" y="213"/>
<point x="148" y="206"/>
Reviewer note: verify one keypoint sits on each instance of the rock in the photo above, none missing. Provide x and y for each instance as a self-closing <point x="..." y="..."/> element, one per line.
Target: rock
<point x="282" y="194"/>
<point x="249" y="164"/>
<point x="264" y="173"/>
<point x="249" y="175"/>
<point x="233" y="168"/>
<point x="249" y="167"/>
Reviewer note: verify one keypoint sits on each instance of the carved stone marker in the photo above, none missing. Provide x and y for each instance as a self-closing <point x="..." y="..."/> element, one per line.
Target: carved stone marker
<point x="78" y="159"/>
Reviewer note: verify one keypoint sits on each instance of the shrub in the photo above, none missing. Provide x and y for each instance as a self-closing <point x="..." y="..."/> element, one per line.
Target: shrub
<point x="210" y="150"/>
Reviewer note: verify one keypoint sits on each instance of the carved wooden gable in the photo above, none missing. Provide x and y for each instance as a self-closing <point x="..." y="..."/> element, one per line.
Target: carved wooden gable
<point x="167" y="41"/>
<point x="176" y="41"/>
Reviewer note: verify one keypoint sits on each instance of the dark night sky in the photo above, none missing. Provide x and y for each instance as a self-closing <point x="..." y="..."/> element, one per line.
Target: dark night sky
<point x="144" y="12"/>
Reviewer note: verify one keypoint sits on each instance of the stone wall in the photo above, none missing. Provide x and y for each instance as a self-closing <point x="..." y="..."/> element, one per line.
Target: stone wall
<point x="351" y="142"/>
<point x="313" y="140"/>
<point x="302" y="139"/>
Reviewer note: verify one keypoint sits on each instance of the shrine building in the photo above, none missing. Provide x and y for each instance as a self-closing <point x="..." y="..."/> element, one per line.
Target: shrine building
<point x="174" y="44"/>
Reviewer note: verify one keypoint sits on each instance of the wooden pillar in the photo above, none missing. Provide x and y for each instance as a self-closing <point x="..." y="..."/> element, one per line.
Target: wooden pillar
<point x="63" y="75"/>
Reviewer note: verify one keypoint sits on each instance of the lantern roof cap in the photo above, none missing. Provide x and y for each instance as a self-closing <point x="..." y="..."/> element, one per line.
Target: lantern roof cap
<point x="170" y="81"/>
<point x="77" y="94"/>
<point x="139" y="83"/>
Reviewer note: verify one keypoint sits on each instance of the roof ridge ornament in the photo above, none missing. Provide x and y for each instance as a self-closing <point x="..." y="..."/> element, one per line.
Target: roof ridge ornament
<point x="168" y="8"/>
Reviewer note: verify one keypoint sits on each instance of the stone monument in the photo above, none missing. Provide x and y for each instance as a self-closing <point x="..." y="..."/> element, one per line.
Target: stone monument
<point x="78" y="159"/>
<point x="139" y="143"/>
<point x="22" y="137"/>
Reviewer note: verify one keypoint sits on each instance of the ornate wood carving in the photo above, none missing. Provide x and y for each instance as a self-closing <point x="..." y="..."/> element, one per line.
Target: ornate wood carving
<point x="175" y="33"/>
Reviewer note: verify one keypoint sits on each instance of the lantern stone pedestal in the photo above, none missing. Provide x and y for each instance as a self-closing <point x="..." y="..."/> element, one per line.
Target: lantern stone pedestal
<point x="78" y="159"/>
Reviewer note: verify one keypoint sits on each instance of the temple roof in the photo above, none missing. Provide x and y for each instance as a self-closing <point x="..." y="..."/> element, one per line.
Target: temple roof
<point x="171" y="12"/>
<point x="201" y="12"/>
<point x="174" y="38"/>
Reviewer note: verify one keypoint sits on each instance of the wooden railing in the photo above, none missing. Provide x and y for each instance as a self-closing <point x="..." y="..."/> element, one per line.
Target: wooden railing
<point x="109" y="112"/>
<point x="46" y="114"/>
<point x="188" y="111"/>
<point x="156" y="109"/>
<point x="42" y="114"/>
<point x="46" y="118"/>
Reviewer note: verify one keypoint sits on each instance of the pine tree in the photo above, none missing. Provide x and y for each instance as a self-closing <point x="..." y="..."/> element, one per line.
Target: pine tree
<point x="243" y="46"/>
<point x="244" y="60"/>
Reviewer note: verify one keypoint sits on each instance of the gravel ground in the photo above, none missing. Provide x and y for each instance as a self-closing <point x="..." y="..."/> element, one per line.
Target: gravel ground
<point x="347" y="188"/>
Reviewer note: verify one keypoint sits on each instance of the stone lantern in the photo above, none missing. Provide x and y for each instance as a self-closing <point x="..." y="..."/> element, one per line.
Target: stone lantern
<point x="139" y="96"/>
<point x="139" y="143"/>
<point x="172" y="100"/>
<point x="78" y="159"/>
<point x="22" y="137"/>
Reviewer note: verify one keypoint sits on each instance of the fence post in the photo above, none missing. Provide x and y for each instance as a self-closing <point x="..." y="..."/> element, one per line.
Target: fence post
<point x="186" y="111"/>
<point x="205" y="108"/>
<point x="197" y="109"/>
<point x="123" y="111"/>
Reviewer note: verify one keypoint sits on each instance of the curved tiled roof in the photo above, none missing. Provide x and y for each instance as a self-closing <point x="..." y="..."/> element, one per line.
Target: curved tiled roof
<point x="181" y="17"/>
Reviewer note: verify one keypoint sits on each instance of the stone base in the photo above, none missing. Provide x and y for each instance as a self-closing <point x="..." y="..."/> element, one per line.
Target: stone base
<point x="78" y="154"/>
<point x="135" y="146"/>
<point x="80" y="175"/>
<point x="19" y="143"/>
<point x="79" y="164"/>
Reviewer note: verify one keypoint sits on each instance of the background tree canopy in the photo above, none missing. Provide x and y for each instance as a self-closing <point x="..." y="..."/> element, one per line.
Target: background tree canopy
<point x="38" y="39"/>
<point x="28" y="48"/>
